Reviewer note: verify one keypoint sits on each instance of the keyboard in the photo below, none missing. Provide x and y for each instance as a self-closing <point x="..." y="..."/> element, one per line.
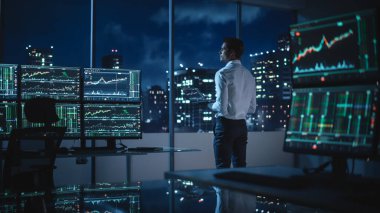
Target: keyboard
<point x="262" y="179"/>
<point x="146" y="149"/>
<point x="96" y="149"/>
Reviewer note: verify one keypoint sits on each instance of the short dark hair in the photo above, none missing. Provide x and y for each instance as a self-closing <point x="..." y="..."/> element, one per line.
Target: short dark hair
<point x="234" y="44"/>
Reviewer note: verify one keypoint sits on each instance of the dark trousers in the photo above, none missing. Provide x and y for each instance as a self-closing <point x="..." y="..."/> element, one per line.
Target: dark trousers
<point x="230" y="142"/>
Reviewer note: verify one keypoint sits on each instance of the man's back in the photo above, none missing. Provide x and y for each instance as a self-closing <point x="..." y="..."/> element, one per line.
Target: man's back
<point x="239" y="93"/>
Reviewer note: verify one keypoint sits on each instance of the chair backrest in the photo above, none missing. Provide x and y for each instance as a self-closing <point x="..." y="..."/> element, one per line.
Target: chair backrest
<point x="41" y="110"/>
<point x="30" y="158"/>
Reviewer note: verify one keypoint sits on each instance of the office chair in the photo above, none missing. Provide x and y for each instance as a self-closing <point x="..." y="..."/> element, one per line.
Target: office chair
<point x="31" y="153"/>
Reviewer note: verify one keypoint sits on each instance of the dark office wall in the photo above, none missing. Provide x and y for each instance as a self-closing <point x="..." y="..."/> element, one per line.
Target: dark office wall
<point x="324" y="8"/>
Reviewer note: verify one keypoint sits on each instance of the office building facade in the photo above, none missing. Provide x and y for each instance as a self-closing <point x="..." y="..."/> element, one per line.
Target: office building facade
<point x="39" y="56"/>
<point x="194" y="90"/>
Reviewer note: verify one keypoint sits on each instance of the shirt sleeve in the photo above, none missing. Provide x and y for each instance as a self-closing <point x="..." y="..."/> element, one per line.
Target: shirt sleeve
<point x="252" y="105"/>
<point x="221" y="90"/>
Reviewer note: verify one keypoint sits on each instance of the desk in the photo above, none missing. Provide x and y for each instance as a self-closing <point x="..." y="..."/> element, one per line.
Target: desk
<point x="342" y="197"/>
<point x="77" y="153"/>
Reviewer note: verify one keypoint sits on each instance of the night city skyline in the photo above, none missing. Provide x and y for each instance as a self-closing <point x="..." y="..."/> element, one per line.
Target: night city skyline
<point x="199" y="31"/>
<point x="198" y="35"/>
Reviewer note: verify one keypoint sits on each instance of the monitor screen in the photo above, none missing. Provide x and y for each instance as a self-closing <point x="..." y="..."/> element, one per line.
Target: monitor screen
<point x="61" y="83"/>
<point x="69" y="116"/>
<point x="111" y="85"/>
<point x="8" y="117"/>
<point x="333" y="121"/>
<point x="335" y="50"/>
<point x="8" y="81"/>
<point x="112" y="120"/>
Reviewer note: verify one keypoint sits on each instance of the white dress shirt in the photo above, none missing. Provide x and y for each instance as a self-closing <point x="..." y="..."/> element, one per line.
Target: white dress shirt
<point x="235" y="91"/>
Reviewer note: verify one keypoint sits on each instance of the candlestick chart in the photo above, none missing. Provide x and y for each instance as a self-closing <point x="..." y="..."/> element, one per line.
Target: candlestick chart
<point x="331" y="117"/>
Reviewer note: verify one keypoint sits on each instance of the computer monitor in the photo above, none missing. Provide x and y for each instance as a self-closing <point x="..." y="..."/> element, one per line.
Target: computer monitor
<point x="334" y="121"/>
<point x="111" y="120"/>
<point x="69" y="116"/>
<point x="121" y="85"/>
<point x="8" y="81"/>
<point x="335" y="50"/>
<point x="61" y="83"/>
<point x="8" y="118"/>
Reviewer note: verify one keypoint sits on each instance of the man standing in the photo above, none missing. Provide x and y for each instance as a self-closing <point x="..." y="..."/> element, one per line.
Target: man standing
<point x="235" y="98"/>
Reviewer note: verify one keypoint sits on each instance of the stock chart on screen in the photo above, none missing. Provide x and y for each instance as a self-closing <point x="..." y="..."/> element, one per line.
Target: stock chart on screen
<point x="8" y="117"/>
<point x="333" y="120"/>
<point x="334" y="50"/>
<point x="111" y="84"/>
<point x="69" y="116"/>
<point x="112" y="120"/>
<point x="61" y="83"/>
<point x="8" y="81"/>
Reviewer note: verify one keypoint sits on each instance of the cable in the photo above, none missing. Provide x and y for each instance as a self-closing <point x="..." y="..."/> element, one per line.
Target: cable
<point x="353" y="166"/>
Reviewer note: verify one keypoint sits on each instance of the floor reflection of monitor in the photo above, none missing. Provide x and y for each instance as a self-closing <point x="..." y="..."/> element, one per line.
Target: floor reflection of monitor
<point x="103" y="197"/>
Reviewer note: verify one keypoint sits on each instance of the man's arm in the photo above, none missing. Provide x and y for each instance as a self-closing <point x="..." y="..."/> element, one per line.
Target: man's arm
<point x="252" y="105"/>
<point x="221" y="101"/>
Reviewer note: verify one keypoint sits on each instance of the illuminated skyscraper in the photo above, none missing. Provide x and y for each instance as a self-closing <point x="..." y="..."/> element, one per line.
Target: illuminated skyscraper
<point x="273" y="83"/>
<point x="113" y="60"/>
<point x="39" y="56"/>
<point x="156" y="110"/>
<point x="194" y="89"/>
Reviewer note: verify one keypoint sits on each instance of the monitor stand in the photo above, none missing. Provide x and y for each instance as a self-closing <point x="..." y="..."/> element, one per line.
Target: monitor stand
<point x="336" y="176"/>
<point x="339" y="167"/>
<point x="111" y="143"/>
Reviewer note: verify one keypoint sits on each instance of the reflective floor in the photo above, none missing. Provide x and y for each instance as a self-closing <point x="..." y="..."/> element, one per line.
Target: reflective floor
<point x="146" y="197"/>
<point x="150" y="196"/>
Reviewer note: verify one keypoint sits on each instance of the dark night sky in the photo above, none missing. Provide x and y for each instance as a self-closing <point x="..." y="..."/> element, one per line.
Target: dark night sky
<point x="138" y="29"/>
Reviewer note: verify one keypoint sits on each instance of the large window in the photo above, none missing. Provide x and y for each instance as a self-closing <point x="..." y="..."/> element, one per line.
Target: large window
<point x="46" y="32"/>
<point x="200" y="27"/>
<point x="266" y="35"/>
<point x="134" y="35"/>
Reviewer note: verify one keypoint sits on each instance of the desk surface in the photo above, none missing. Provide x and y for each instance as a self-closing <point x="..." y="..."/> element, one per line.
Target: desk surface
<point x="360" y="197"/>
<point x="70" y="152"/>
